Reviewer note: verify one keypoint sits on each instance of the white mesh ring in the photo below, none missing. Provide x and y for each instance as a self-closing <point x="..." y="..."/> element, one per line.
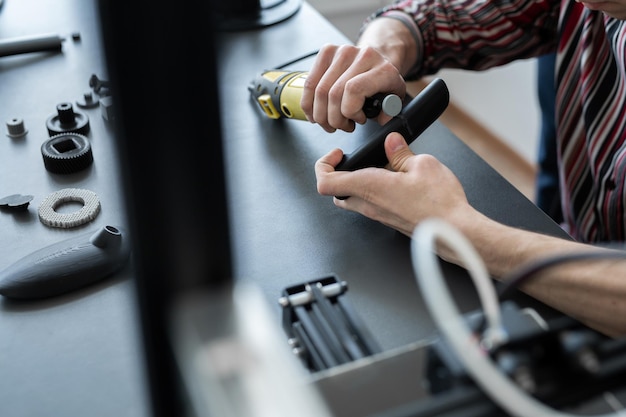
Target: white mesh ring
<point x="50" y="217"/>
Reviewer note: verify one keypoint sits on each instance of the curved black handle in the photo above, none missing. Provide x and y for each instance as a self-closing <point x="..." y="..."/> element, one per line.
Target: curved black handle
<point x="418" y="115"/>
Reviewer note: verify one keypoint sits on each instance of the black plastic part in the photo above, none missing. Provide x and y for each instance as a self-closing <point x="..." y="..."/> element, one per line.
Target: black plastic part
<point x="67" y="120"/>
<point x="67" y="153"/>
<point x="99" y="86"/>
<point x="323" y="324"/>
<point x="16" y="202"/>
<point x="417" y="115"/>
<point x="66" y="265"/>
<point x="87" y="101"/>
<point x="375" y="104"/>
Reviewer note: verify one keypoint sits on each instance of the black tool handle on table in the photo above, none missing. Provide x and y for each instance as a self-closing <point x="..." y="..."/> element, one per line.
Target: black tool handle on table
<point x="416" y="116"/>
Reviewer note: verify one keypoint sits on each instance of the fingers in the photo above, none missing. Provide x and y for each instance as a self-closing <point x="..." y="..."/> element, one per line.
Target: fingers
<point x="337" y="183"/>
<point x="346" y="183"/>
<point x="324" y="168"/>
<point x="312" y="86"/>
<point x="323" y="88"/>
<point x="340" y="80"/>
<point x="397" y="151"/>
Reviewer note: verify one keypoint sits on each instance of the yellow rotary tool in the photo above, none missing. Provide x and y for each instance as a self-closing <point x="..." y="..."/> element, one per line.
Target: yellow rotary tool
<point x="278" y="93"/>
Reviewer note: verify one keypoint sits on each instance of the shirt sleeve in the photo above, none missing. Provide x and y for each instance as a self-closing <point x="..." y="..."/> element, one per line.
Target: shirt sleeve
<point x="477" y="34"/>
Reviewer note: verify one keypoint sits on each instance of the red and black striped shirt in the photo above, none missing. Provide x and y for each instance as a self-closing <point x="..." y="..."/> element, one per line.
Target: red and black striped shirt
<point x="590" y="80"/>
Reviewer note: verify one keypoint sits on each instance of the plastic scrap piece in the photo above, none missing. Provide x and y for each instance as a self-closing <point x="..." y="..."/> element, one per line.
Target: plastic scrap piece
<point x="17" y="202"/>
<point x="50" y="217"/>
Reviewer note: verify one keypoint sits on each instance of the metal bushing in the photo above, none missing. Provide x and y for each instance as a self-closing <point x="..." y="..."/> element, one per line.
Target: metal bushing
<point x="66" y="153"/>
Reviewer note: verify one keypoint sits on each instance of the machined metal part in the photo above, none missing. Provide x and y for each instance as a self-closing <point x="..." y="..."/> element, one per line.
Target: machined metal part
<point x="306" y="296"/>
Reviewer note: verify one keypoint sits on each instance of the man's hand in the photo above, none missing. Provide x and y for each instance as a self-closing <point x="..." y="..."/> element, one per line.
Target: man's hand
<point x="413" y="188"/>
<point x="340" y="81"/>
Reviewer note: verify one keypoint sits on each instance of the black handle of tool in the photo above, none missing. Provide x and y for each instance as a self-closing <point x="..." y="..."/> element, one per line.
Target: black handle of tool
<point x="416" y="116"/>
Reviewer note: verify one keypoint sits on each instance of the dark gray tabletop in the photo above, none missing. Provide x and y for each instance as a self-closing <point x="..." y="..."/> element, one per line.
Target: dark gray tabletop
<point x="79" y="354"/>
<point x="285" y="233"/>
<point x="76" y="354"/>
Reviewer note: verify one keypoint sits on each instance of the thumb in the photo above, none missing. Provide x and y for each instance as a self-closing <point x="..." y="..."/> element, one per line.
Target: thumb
<point x="397" y="151"/>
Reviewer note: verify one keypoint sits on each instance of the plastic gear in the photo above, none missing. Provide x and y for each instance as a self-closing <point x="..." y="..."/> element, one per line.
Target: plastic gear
<point x="67" y="153"/>
<point x="67" y="120"/>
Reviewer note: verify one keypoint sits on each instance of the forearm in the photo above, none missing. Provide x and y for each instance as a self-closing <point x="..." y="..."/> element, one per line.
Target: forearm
<point x="460" y="33"/>
<point x="592" y="291"/>
<point x="393" y="40"/>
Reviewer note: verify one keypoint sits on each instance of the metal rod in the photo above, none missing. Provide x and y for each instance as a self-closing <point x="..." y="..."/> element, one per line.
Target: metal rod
<point x="27" y="44"/>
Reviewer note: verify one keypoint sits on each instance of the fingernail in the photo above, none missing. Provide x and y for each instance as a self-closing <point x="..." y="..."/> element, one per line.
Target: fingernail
<point x="396" y="142"/>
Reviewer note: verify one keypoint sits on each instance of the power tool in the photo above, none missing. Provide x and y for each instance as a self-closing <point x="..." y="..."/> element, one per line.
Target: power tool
<point x="278" y="93"/>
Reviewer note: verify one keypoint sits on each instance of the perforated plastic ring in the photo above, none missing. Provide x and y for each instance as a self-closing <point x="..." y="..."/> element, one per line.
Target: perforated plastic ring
<point x="50" y="217"/>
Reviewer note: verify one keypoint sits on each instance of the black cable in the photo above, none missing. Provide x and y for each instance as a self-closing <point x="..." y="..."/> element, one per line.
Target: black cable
<point x="293" y="61"/>
<point x="528" y="272"/>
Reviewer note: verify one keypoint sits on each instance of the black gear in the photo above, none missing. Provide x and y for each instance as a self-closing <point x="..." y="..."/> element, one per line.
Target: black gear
<point x="66" y="119"/>
<point x="66" y="153"/>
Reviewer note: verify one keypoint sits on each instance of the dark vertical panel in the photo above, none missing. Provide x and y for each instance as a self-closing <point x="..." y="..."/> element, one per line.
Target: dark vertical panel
<point x="160" y="56"/>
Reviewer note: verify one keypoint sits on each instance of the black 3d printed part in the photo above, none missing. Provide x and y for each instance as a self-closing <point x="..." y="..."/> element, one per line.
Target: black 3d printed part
<point x="66" y="153"/>
<point x="87" y="101"/>
<point x="66" y="265"/>
<point x="67" y="120"/>
<point x="323" y="329"/>
<point x="17" y="202"/>
<point x="416" y="116"/>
